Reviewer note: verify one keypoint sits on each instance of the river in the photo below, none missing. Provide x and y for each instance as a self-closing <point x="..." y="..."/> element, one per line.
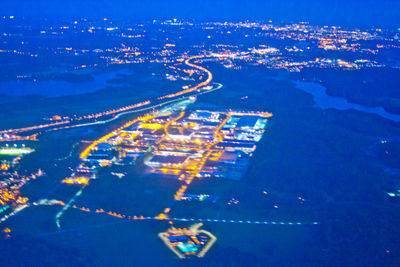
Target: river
<point x="324" y="101"/>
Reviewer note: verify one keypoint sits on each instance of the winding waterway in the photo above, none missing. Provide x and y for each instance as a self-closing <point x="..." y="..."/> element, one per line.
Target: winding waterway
<point x="325" y="101"/>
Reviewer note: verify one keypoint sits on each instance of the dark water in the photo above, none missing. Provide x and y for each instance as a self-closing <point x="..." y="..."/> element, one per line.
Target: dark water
<point x="53" y="88"/>
<point x="324" y="101"/>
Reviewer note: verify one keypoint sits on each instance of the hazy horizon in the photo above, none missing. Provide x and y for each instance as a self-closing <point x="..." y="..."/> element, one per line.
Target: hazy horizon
<point x="340" y="12"/>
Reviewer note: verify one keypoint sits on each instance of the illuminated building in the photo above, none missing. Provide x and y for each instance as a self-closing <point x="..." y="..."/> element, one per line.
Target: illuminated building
<point x="14" y="151"/>
<point x="166" y="161"/>
<point x="187" y="242"/>
<point x="204" y="115"/>
<point x="229" y="157"/>
<point x="237" y="146"/>
<point x="76" y="180"/>
<point x="183" y="135"/>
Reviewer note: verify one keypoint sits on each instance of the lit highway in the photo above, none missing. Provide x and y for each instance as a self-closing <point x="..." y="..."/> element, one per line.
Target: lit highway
<point x="156" y="218"/>
<point x="115" y="113"/>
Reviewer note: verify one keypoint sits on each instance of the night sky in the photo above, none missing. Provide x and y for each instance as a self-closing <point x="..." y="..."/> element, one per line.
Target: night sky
<point x="339" y="12"/>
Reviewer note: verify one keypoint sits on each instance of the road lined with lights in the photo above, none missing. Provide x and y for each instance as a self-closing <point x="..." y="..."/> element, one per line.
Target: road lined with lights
<point x="75" y="122"/>
<point x="219" y="86"/>
<point x="189" y="90"/>
<point x="46" y="202"/>
<point x="157" y="218"/>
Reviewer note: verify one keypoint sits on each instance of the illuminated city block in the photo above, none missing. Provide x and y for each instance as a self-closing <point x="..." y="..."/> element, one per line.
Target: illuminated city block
<point x="187" y="242"/>
<point x="15" y="151"/>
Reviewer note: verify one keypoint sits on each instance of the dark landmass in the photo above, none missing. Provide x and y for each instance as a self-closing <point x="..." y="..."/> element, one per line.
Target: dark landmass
<point x="20" y="250"/>
<point x="322" y="156"/>
<point x="388" y="151"/>
<point x="71" y="77"/>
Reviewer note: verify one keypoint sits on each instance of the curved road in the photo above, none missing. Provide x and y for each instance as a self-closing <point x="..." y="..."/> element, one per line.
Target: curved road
<point x="123" y="110"/>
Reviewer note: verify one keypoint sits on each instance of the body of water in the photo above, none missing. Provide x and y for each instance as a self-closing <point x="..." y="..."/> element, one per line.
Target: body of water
<point x="324" y="101"/>
<point x="54" y="88"/>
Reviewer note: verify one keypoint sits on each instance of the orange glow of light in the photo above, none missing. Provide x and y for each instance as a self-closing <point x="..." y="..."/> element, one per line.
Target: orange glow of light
<point x="161" y="216"/>
<point x="191" y="89"/>
<point x="4" y="166"/>
<point x="77" y="180"/>
<point x="151" y="126"/>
